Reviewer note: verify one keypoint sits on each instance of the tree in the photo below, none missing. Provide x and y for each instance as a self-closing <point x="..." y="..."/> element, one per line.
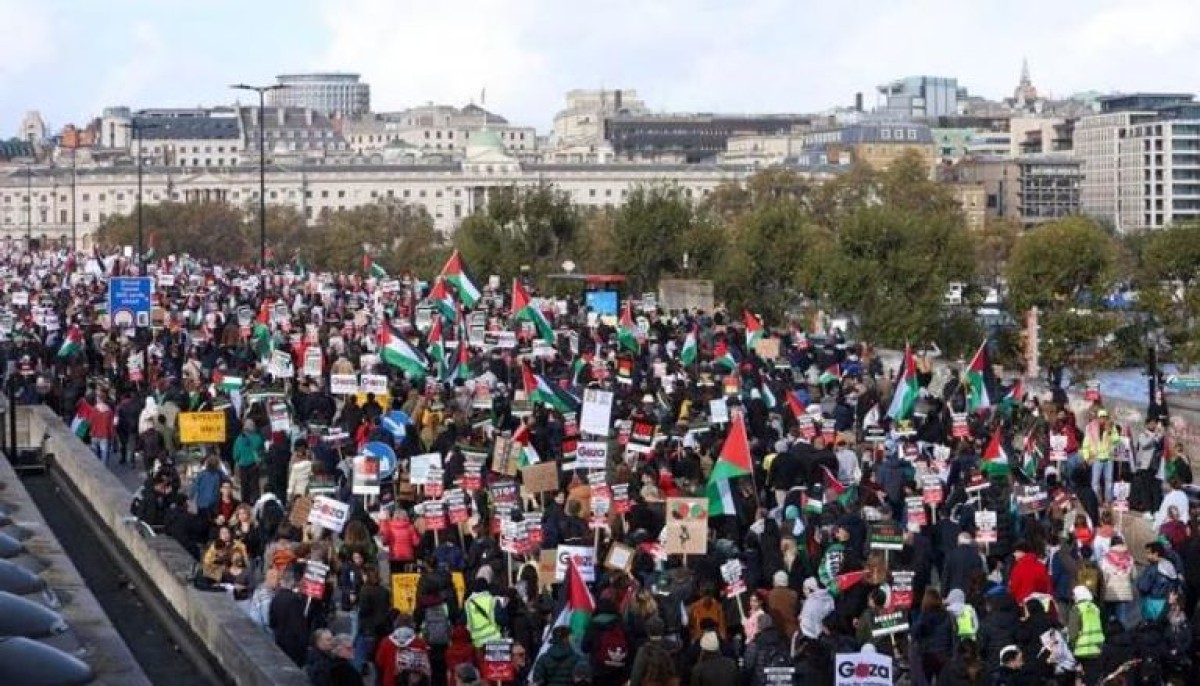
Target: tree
<point x="1064" y="268"/>
<point x="208" y="231"/>
<point x="1168" y="286"/>
<point x="536" y="227"/>
<point x="652" y="231"/>
<point x="993" y="248"/>
<point x="399" y="238"/>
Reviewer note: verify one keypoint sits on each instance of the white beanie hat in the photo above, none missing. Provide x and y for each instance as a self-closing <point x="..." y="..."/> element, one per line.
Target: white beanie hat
<point x="780" y="579"/>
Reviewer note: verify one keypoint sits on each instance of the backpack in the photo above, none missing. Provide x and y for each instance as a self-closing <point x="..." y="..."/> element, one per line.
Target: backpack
<point x="774" y="656"/>
<point x="436" y="626"/>
<point x="611" y="654"/>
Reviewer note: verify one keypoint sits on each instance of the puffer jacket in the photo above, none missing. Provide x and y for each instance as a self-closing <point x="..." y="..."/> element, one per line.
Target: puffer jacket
<point x="1117" y="567"/>
<point x="401" y="538"/>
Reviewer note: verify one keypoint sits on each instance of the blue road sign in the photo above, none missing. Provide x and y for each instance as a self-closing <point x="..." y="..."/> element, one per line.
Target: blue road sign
<point x="129" y="301"/>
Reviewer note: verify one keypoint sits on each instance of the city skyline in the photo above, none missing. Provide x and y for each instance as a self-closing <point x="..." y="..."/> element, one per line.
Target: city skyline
<point x="69" y="60"/>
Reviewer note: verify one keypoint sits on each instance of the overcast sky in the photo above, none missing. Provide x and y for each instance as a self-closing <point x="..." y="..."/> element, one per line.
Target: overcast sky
<point x="70" y="58"/>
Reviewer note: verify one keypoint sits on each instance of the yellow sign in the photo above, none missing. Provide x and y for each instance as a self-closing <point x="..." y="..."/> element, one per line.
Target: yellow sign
<point x="201" y="427"/>
<point x="404" y="590"/>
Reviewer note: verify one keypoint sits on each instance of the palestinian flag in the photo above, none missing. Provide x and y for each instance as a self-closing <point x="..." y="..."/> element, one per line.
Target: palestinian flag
<point x="831" y="375"/>
<point x="733" y="462"/>
<point x="150" y="251"/>
<point x="522" y="310"/>
<point x="580" y="367"/>
<point x="627" y="333"/>
<point x="522" y="438"/>
<point x="373" y="270"/>
<point x="768" y="396"/>
<point x="977" y="393"/>
<point x="995" y="459"/>
<point x="577" y="613"/>
<point x="395" y="351"/>
<point x="754" y="329"/>
<point x="723" y="356"/>
<point x="72" y="343"/>
<point x="795" y="405"/>
<point x="442" y="301"/>
<point x="227" y="383"/>
<point x="849" y="580"/>
<point x="690" y="351"/>
<point x="261" y="340"/>
<point x="462" y="363"/>
<point x="437" y="349"/>
<point x="904" y="396"/>
<point x="299" y="267"/>
<point x="1015" y="395"/>
<point x="456" y="274"/>
<point x="831" y="482"/>
<point x="541" y="392"/>
<point x="811" y="505"/>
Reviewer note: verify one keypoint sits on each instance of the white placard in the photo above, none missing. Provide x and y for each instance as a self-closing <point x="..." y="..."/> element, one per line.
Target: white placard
<point x="313" y="363"/>
<point x="591" y="455"/>
<point x="718" y="411"/>
<point x="280" y="365"/>
<point x="374" y="383"/>
<point x="20" y="299"/>
<point x="597" y="412"/>
<point x="585" y="560"/>
<point x="343" y="384"/>
<point x="329" y="513"/>
<point x="419" y="466"/>
<point x="166" y="280"/>
<point x="506" y="340"/>
<point x="863" y="669"/>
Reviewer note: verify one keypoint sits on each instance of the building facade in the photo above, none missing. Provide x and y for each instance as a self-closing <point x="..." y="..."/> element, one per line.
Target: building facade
<point x="1028" y="190"/>
<point x="921" y="97"/>
<point x="1159" y="171"/>
<point x="329" y="93"/>
<point x="448" y="192"/>
<point x="436" y="130"/>
<point x="874" y="143"/>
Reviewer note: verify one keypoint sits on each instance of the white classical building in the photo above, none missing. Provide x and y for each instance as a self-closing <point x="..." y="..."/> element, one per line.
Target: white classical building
<point x="449" y="192"/>
<point x="440" y="130"/>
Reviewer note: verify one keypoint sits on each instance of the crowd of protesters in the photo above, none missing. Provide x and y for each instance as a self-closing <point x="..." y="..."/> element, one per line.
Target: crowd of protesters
<point x="857" y="524"/>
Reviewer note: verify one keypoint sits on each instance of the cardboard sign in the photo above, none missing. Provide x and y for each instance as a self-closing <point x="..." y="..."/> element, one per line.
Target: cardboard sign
<point x="620" y="557"/>
<point x="313" y="363"/>
<point x="343" y="384"/>
<point x="584" y="557"/>
<point x="621" y="503"/>
<point x="596" y="417"/>
<point x="366" y="475"/>
<point x="298" y="516"/>
<point x="404" y="592"/>
<point x="591" y="455"/>
<point x="686" y="529"/>
<point x="504" y="456"/>
<point x="1031" y="499"/>
<point x="731" y="573"/>
<point x="373" y="383"/>
<point x="279" y="416"/>
<point x="901" y="597"/>
<point x="1058" y="448"/>
<point x="434" y="514"/>
<point x="863" y="669"/>
<point x="328" y="513"/>
<point x="201" y="427"/>
<point x="960" y="427"/>
<point x="886" y="624"/>
<point x="498" y="661"/>
<point x="472" y="478"/>
<point x="985" y="526"/>
<point x="914" y="506"/>
<point x="767" y="348"/>
<point x="1092" y="394"/>
<point x="539" y="478"/>
<point x="1121" y="491"/>
<point x="456" y="506"/>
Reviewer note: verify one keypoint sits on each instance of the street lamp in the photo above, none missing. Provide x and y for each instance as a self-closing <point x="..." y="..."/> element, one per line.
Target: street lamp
<point x="29" y="207"/>
<point x="262" y="165"/>
<point x="137" y="128"/>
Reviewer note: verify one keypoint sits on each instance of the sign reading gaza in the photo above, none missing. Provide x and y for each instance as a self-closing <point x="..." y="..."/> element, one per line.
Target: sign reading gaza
<point x="863" y="669"/>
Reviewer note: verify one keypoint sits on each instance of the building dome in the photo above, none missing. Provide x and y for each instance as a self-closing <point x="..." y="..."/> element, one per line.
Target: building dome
<point x="486" y="139"/>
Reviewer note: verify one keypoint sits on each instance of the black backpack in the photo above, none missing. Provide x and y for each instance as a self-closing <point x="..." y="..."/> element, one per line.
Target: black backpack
<point x="774" y="656"/>
<point x="437" y="625"/>
<point x="270" y="516"/>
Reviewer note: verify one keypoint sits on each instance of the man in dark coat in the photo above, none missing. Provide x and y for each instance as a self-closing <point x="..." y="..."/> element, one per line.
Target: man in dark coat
<point x="961" y="562"/>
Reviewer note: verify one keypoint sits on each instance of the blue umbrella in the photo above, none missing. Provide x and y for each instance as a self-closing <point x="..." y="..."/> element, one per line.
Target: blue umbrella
<point x="386" y="456"/>
<point x="395" y="423"/>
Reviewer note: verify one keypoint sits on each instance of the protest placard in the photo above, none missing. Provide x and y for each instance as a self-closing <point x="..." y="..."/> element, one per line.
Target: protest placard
<point x="201" y="427"/>
<point x="596" y="416"/>
<point x="329" y="513"/>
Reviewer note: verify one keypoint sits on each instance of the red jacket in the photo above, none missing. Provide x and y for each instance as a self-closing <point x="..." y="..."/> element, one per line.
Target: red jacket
<point x="1029" y="575"/>
<point x="401" y="538"/>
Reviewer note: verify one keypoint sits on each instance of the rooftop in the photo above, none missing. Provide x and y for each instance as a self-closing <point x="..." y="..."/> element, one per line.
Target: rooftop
<point x="188" y="128"/>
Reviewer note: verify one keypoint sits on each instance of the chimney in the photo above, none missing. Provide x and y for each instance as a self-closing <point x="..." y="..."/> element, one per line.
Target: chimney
<point x="281" y="115"/>
<point x="858" y="102"/>
<point x="617" y="100"/>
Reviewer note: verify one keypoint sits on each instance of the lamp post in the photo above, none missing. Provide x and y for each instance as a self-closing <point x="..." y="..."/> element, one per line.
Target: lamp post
<point x="262" y="165"/>
<point x="137" y="128"/>
<point x="29" y="207"/>
<point x="74" y="243"/>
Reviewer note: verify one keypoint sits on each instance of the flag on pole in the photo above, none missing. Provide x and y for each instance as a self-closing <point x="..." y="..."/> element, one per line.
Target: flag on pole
<point x="541" y="392"/>
<point x="227" y="383"/>
<point x="523" y="310"/>
<point x="832" y="374"/>
<point x="577" y="613"/>
<point x="977" y="393"/>
<point x="904" y="396"/>
<point x="795" y="405"/>
<point x="72" y="342"/>
<point x="372" y="269"/>
<point x="995" y="458"/>
<point x="456" y="274"/>
<point x="395" y="351"/>
<point x="528" y="454"/>
<point x="733" y="462"/>
<point x="437" y="349"/>
<point x="442" y="301"/>
<point x="1015" y="395"/>
<point x="462" y="364"/>
<point x="627" y="333"/>
<point x="690" y="350"/>
<point x="832" y="483"/>
<point x="723" y="356"/>
<point x="754" y="329"/>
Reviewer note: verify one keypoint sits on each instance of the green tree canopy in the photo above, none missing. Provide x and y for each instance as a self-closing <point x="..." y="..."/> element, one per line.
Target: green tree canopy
<point x="536" y="227"/>
<point x="210" y="231"/>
